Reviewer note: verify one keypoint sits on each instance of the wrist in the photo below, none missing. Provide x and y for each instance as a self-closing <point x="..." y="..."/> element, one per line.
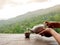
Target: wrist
<point x="51" y="31"/>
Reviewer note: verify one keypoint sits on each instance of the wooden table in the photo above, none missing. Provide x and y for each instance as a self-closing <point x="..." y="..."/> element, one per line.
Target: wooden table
<point x="19" y="39"/>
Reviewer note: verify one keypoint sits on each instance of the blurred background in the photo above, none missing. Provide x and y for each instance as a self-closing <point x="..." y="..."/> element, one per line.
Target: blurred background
<point x="18" y="15"/>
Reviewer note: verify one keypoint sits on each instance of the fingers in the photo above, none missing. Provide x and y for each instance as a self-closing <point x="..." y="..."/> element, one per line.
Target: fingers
<point x="42" y="32"/>
<point x="47" y="30"/>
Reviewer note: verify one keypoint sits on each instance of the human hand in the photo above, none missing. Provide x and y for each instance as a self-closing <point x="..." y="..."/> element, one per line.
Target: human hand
<point x="46" y="32"/>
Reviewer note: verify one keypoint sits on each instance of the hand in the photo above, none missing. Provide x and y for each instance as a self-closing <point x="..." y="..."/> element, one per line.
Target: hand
<point x="46" y="32"/>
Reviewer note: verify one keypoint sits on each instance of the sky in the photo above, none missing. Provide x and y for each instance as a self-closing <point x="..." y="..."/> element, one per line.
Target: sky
<point x="13" y="8"/>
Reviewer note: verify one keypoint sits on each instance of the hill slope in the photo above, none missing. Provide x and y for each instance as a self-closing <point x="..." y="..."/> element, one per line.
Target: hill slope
<point x="20" y="23"/>
<point x="55" y="9"/>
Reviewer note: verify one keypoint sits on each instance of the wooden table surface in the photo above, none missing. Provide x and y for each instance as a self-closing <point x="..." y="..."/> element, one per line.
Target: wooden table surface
<point x="19" y="39"/>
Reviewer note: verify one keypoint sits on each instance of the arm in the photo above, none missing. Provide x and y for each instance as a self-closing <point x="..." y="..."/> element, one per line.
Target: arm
<point x="53" y="33"/>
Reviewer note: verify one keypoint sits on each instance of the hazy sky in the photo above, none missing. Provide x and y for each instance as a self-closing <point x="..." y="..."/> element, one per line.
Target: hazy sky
<point x="13" y="8"/>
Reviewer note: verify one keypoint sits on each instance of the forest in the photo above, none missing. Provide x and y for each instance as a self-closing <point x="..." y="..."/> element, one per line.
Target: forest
<point x="21" y="27"/>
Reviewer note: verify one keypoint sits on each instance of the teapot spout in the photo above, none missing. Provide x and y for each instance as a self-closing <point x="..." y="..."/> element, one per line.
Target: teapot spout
<point x="32" y="31"/>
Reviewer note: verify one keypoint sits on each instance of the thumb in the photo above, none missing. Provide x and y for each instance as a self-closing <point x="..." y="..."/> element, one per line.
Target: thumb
<point x="42" y="32"/>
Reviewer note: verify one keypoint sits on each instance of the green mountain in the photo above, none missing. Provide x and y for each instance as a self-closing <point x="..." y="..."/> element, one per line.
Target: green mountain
<point x="20" y="23"/>
<point x="55" y="9"/>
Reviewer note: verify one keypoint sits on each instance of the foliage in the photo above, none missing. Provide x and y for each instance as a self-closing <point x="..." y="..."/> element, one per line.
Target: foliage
<point x="21" y="27"/>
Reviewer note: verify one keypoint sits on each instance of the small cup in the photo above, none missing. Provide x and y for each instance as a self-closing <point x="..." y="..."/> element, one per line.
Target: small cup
<point x="27" y="34"/>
